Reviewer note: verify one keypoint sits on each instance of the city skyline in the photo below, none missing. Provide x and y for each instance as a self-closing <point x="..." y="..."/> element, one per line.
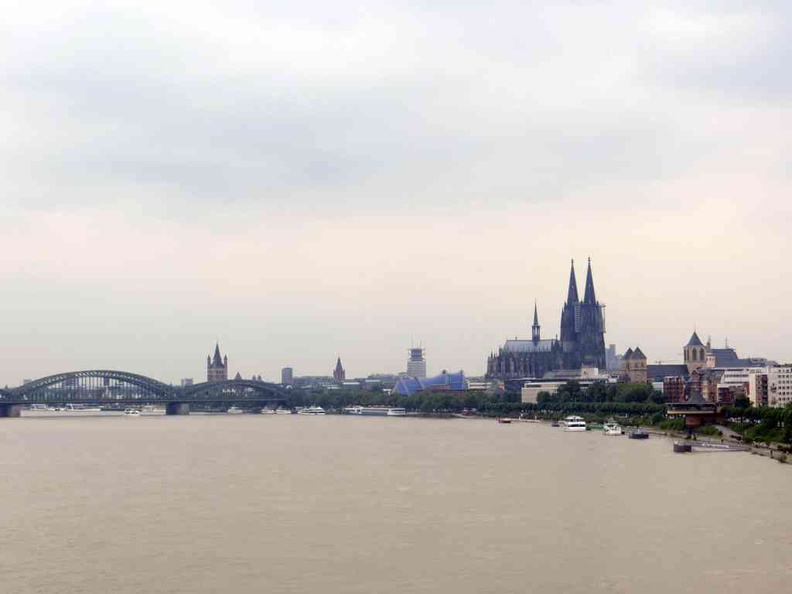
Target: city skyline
<point x="310" y="181"/>
<point x="274" y="374"/>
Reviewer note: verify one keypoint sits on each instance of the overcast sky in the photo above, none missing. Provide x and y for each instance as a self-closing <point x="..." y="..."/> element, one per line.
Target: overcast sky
<point x="310" y="179"/>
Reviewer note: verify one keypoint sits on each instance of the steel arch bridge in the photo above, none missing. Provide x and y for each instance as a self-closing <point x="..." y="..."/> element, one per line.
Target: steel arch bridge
<point x="234" y="390"/>
<point x="71" y="385"/>
<point x="112" y="386"/>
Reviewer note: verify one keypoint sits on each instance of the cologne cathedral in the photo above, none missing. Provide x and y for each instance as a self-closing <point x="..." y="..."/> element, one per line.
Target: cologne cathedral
<point x="582" y="342"/>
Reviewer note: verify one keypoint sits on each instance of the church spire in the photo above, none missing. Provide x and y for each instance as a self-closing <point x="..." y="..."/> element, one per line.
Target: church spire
<point x="535" y="334"/>
<point x="339" y="374"/>
<point x="572" y="293"/>
<point x="589" y="297"/>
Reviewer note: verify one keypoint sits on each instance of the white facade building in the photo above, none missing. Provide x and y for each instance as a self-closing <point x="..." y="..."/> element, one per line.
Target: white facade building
<point x="779" y="386"/>
<point x="530" y="390"/>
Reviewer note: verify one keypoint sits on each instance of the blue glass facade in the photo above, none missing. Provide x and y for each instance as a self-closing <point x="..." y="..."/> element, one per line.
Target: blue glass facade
<point x="407" y="386"/>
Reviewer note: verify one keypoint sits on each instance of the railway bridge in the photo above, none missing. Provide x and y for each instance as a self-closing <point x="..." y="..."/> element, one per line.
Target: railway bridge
<point x="105" y="387"/>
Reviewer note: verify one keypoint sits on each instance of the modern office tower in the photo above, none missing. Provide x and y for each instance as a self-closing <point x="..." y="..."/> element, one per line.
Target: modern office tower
<point x="416" y="364"/>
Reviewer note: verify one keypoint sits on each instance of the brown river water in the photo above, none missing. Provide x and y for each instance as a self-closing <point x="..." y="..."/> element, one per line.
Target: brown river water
<point x="293" y="504"/>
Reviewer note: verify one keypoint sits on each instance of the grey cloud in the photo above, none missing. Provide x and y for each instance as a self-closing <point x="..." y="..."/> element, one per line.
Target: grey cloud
<point x="144" y="109"/>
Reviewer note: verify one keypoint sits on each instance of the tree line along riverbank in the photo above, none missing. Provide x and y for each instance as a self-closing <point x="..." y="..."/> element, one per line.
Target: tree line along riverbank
<point x="628" y="403"/>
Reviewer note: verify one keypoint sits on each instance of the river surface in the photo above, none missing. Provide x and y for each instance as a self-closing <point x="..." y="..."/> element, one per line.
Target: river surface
<point x="251" y="503"/>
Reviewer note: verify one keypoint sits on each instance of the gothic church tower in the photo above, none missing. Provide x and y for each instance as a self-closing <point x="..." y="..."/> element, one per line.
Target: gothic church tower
<point x="583" y="326"/>
<point x="216" y="368"/>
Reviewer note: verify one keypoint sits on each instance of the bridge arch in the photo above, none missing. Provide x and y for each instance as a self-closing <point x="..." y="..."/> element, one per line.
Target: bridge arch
<point x="69" y="379"/>
<point x="236" y="389"/>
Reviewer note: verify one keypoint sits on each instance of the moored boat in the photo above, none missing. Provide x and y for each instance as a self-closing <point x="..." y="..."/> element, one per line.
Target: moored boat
<point x="376" y="411"/>
<point x="131" y="412"/>
<point x="312" y="411"/>
<point x="611" y="427"/>
<point x="574" y="423"/>
<point x="505" y="420"/>
<point x="639" y="434"/>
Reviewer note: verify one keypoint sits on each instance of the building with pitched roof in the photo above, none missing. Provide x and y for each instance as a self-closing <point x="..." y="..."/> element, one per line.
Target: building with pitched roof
<point x="695" y="353"/>
<point x="634" y="365"/>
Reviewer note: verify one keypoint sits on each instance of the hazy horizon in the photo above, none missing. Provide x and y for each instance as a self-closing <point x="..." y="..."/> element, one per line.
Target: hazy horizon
<point x="310" y="181"/>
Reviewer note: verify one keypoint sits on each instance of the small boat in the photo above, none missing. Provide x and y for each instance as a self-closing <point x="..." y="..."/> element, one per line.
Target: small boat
<point x="611" y="427"/>
<point x="573" y="423"/>
<point x="504" y="420"/>
<point x="396" y="411"/>
<point x="131" y="412"/>
<point x="682" y="448"/>
<point x="267" y="411"/>
<point x="312" y="411"/>
<point x="283" y="411"/>
<point x="234" y="411"/>
<point x="639" y="434"/>
<point x="555" y="424"/>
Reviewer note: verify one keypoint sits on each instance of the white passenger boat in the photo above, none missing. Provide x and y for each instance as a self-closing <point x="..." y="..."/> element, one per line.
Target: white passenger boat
<point x="611" y="427"/>
<point x="283" y="411"/>
<point x="66" y="408"/>
<point x="573" y="423"/>
<point x="131" y="412"/>
<point x="234" y="411"/>
<point x="312" y="411"/>
<point x="39" y="408"/>
<point x="376" y="411"/>
<point x="82" y="408"/>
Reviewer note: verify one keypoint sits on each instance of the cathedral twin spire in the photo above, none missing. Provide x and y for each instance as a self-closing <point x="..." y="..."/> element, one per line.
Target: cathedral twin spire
<point x="572" y="294"/>
<point x="589" y="297"/>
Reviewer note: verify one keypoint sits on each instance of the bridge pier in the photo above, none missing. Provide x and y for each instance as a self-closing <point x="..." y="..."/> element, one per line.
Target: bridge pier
<point x="177" y="408"/>
<point x="10" y="410"/>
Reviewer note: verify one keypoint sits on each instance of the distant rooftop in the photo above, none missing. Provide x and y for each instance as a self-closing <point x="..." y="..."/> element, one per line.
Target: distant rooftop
<point x="528" y="346"/>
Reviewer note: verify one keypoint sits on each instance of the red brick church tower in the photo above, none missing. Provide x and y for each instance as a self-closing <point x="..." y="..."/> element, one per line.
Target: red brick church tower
<point x="339" y="374"/>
